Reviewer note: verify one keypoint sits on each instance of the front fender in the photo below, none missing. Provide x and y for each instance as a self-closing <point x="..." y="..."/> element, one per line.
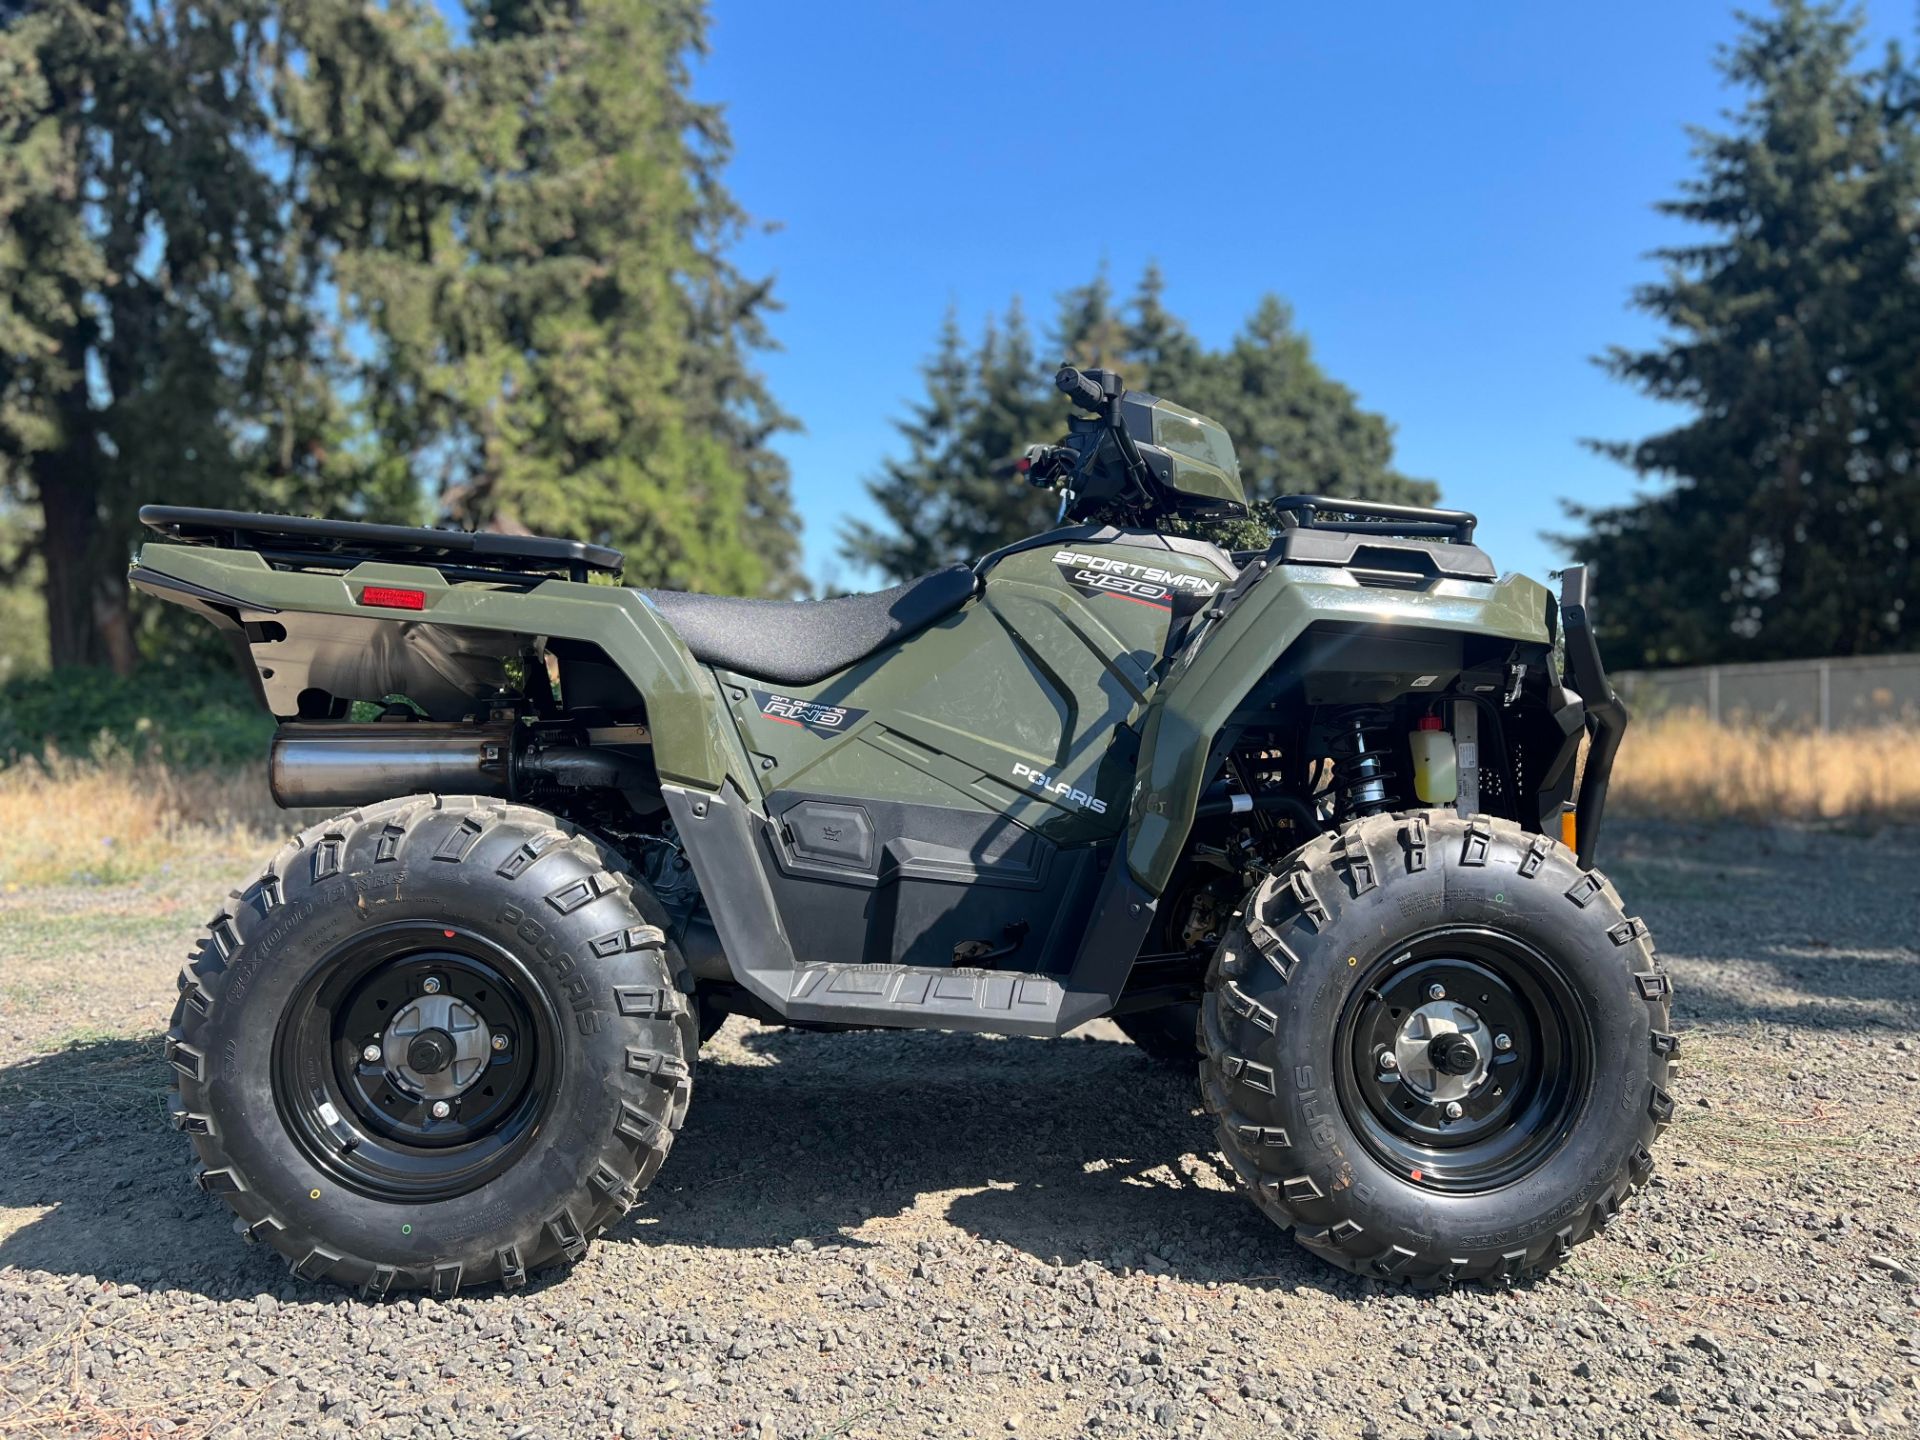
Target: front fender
<point x="449" y="643"/>
<point x="1235" y="651"/>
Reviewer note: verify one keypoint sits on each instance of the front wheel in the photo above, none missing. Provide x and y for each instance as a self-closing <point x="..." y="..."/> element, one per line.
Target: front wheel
<point x="1436" y="1048"/>
<point x="438" y="1042"/>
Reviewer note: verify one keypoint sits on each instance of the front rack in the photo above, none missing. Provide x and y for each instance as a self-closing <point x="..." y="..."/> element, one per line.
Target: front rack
<point x="1374" y="517"/>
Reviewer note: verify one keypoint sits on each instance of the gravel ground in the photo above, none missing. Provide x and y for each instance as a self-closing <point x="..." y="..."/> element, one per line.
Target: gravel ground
<point x="875" y="1234"/>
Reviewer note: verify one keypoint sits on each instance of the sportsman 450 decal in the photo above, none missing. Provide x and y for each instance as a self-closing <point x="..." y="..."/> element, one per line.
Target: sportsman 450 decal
<point x="1079" y="799"/>
<point x="807" y="714"/>
<point x="1147" y="584"/>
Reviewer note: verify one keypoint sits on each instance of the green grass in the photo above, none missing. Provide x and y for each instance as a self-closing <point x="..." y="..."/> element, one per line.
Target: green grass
<point x="189" y="717"/>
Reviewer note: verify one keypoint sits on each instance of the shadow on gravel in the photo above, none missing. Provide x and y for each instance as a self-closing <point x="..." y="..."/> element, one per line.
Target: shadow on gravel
<point x="1804" y="986"/>
<point x="1799" y="926"/>
<point x="87" y="1146"/>
<point x="1070" y="1148"/>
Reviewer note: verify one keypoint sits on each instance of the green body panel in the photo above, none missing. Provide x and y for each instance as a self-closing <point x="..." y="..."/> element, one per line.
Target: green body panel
<point x="1034" y="672"/>
<point x="1213" y="675"/>
<point x="1024" y="703"/>
<point x="681" y="700"/>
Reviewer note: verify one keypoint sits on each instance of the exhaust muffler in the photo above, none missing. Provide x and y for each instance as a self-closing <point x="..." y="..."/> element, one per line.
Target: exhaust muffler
<point x="328" y="763"/>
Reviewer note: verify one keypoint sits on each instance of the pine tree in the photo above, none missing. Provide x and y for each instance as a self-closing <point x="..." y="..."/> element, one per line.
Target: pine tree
<point x="534" y="228"/>
<point x="1296" y="429"/>
<point x="951" y="498"/>
<point x="1788" y="508"/>
<point x="164" y="340"/>
<point x="1161" y="357"/>
<point x="914" y="492"/>
<point x="724" y="393"/>
<point x="1088" y="331"/>
<point x="132" y="205"/>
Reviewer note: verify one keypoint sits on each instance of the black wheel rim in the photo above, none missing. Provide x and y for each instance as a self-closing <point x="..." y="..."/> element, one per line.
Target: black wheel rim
<point x="360" y="1119"/>
<point x="1459" y="1127"/>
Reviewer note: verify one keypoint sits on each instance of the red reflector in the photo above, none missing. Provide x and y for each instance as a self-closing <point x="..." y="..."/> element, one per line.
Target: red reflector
<point x="394" y="599"/>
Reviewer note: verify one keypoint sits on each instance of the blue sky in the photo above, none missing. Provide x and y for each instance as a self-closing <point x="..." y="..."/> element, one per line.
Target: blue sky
<point x="1457" y="201"/>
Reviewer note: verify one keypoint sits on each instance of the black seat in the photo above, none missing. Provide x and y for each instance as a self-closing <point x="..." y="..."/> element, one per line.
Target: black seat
<point x="797" y="642"/>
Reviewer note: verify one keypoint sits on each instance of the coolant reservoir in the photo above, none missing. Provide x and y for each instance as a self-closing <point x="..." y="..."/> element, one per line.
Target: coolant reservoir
<point x="1436" y="776"/>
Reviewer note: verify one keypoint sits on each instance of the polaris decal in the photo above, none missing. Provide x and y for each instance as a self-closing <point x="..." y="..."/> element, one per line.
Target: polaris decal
<point x="807" y="714"/>
<point x="1144" y="584"/>
<point x="1079" y="799"/>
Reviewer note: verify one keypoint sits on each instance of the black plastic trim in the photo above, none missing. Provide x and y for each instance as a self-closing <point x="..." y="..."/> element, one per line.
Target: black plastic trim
<point x="221" y="611"/>
<point x="1382" y="553"/>
<point x="1606" y="717"/>
<point x="717" y="829"/>
<point x="317" y="541"/>
<point x="1374" y="517"/>
<point x="1115" y="535"/>
<point x="185" y="592"/>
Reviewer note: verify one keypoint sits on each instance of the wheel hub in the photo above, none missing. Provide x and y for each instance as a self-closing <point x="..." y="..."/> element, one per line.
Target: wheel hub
<point x="1443" y="1051"/>
<point x="1465" y="1057"/>
<point x="416" y="1061"/>
<point x="436" y="1047"/>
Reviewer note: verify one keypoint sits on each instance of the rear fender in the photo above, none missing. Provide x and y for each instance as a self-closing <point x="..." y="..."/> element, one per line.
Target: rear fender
<point x="305" y="629"/>
<point x="1239" y="645"/>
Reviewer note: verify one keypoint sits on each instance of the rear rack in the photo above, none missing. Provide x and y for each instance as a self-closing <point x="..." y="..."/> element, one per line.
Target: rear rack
<point x="301" y="542"/>
<point x="1374" y="517"/>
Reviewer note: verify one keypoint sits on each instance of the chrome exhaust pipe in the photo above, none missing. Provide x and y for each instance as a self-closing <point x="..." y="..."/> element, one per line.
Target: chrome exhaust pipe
<point x="328" y="763"/>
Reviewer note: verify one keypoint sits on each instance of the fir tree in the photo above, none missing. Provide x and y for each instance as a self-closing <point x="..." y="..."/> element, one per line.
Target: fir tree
<point x="1295" y="428"/>
<point x="133" y="212"/>
<point x="950" y="498"/>
<point x="1088" y="330"/>
<point x="914" y="492"/>
<point x="534" y="228"/>
<point x="1790" y="509"/>
<point x="1160" y="355"/>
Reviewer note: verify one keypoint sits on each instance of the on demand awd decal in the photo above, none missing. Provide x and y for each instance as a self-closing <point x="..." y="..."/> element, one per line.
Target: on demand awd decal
<point x="807" y="714"/>
<point x="1143" y="584"/>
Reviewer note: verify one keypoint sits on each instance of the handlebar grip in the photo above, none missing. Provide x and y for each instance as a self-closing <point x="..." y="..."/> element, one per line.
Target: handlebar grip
<point x="1083" y="392"/>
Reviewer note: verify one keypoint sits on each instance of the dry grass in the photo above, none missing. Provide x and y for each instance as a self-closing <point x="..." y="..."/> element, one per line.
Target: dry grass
<point x="1685" y="766"/>
<point x="106" y="820"/>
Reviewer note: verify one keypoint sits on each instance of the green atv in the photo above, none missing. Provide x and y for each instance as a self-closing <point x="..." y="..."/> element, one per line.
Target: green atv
<point x="1304" y="816"/>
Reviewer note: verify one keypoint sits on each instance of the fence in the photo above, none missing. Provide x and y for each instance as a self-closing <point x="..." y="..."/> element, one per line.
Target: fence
<point x="1823" y="695"/>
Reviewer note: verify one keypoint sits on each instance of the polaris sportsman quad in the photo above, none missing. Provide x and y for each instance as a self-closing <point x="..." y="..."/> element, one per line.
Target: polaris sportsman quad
<point x="1304" y="816"/>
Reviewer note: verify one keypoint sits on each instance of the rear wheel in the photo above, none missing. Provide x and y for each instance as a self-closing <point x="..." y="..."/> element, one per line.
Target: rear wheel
<point x="438" y="1042"/>
<point x="1436" y="1048"/>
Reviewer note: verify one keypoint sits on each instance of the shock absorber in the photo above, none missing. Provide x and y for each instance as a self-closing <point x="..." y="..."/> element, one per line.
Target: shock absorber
<point x="1362" y="762"/>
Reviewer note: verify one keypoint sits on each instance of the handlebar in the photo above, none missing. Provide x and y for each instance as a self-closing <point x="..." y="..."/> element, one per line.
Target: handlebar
<point x="1085" y="394"/>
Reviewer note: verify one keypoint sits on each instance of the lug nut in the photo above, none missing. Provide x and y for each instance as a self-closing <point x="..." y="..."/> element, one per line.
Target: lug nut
<point x="1436" y="992"/>
<point x="441" y="1109"/>
<point x="1453" y="1110"/>
<point x="1389" y="1060"/>
<point x="431" y="984"/>
<point x="371" y="1054"/>
<point x="1503" y="1042"/>
<point x="499" y="1042"/>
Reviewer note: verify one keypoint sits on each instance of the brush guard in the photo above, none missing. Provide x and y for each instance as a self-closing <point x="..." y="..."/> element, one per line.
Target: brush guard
<point x="1606" y="715"/>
